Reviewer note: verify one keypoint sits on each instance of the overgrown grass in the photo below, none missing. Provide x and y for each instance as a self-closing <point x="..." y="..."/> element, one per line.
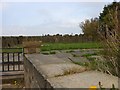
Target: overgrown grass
<point x="82" y="64"/>
<point x="70" y="51"/>
<point x="88" y="55"/>
<point x="52" y="52"/>
<point x="74" y="55"/>
<point x="92" y="61"/>
<point x="48" y="53"/>
<point x="67" y="46"/>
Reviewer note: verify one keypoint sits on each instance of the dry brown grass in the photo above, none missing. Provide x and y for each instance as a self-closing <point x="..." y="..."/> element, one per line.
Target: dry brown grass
<point x="72" y="70"/>
<point x="111" y="45"/>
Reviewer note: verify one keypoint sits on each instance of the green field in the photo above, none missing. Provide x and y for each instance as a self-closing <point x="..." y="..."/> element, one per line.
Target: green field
<point x="58" y="46"/>
<point x="67" y="46"/>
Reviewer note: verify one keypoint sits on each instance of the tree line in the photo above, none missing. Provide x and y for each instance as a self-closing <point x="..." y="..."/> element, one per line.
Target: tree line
<point x="12" y="41"/>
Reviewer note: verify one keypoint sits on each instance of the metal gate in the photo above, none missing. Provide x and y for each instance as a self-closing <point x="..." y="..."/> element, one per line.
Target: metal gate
<point x="12" y="59"/>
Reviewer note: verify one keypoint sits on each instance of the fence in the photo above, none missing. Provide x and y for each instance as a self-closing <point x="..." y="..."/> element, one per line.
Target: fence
<point x="12" y="59"/>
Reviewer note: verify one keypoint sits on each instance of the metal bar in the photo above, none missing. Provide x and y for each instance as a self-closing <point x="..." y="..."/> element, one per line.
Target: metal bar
<point x="8" y="60"/>
<point x="3" y="62"/>
<point x="13" y="62"/>
<point x="18" y="61"/>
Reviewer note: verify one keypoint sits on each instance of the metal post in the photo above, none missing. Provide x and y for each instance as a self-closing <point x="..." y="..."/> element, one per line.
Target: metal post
<point x="8" y="60"/>
<point x="13" y="62"/>
<point x="3" y="62"/>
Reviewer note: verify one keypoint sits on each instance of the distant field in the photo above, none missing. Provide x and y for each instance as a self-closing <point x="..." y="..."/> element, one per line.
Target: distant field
<point x="66" y="46"/>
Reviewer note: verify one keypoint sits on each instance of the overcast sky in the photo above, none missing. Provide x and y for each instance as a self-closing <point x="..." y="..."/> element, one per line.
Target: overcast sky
<point x="40" y="18"/>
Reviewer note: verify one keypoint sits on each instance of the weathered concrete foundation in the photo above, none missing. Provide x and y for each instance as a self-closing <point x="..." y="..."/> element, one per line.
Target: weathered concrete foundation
<point x="33" y="78"/>
<point x="47" y="71"/>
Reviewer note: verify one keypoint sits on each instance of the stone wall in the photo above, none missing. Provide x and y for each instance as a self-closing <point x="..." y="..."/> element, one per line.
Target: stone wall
<point x="33" y="78"/>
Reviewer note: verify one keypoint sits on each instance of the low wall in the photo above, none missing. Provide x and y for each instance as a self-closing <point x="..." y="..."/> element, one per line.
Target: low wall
<point x="50" y="72"/>
<point x="33" y="78"/>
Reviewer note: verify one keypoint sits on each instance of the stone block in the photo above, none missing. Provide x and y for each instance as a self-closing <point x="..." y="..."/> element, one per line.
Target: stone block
<point x="32" y="47"/>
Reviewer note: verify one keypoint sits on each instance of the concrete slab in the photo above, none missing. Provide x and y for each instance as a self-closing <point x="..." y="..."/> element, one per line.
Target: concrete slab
<point x="63" y="55"/>
<point x="79" y="59"/>
<point x="84" y="80"/>
<point x="57" y="72"/>
<point x="41" y="59"/>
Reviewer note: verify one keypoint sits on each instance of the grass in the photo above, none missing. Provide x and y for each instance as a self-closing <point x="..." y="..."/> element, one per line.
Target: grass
<point x="60" y="46"/>
<point x="74" y="55"/>
<point x="93" y="63"/>
<point x="45" y="53"/>
<point x="86" y="64"/>
<point x="67" y="46"/>
<point x="88" y="55"/>
<point x="52" y="52"/>
<point x="11" y="50"/>
<point x="48" y="53"/>
<point x="70" y="51"/>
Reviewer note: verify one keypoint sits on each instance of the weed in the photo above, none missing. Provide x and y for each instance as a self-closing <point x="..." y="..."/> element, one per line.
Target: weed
<point x="52" y="52"/>
<point x="88" y="55"/>
<point x="72" y="70"/>
<point x="70" y="51"/>
<point x="48" y="53"/>
<point x="45" y="53"/>
<point x="74" y="55"/>
<point x="86" y="64"/>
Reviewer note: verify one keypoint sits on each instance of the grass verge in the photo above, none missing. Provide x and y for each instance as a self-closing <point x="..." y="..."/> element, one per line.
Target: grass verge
<point x="11" y="50"/>
<point x="67" y="46"/>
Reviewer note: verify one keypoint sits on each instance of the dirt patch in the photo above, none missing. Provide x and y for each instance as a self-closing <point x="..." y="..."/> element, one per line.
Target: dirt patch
<point x="13" y="83"/>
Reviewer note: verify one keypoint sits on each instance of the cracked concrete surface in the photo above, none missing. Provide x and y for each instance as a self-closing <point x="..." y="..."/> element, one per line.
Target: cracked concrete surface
<point x="54" y="69"/>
